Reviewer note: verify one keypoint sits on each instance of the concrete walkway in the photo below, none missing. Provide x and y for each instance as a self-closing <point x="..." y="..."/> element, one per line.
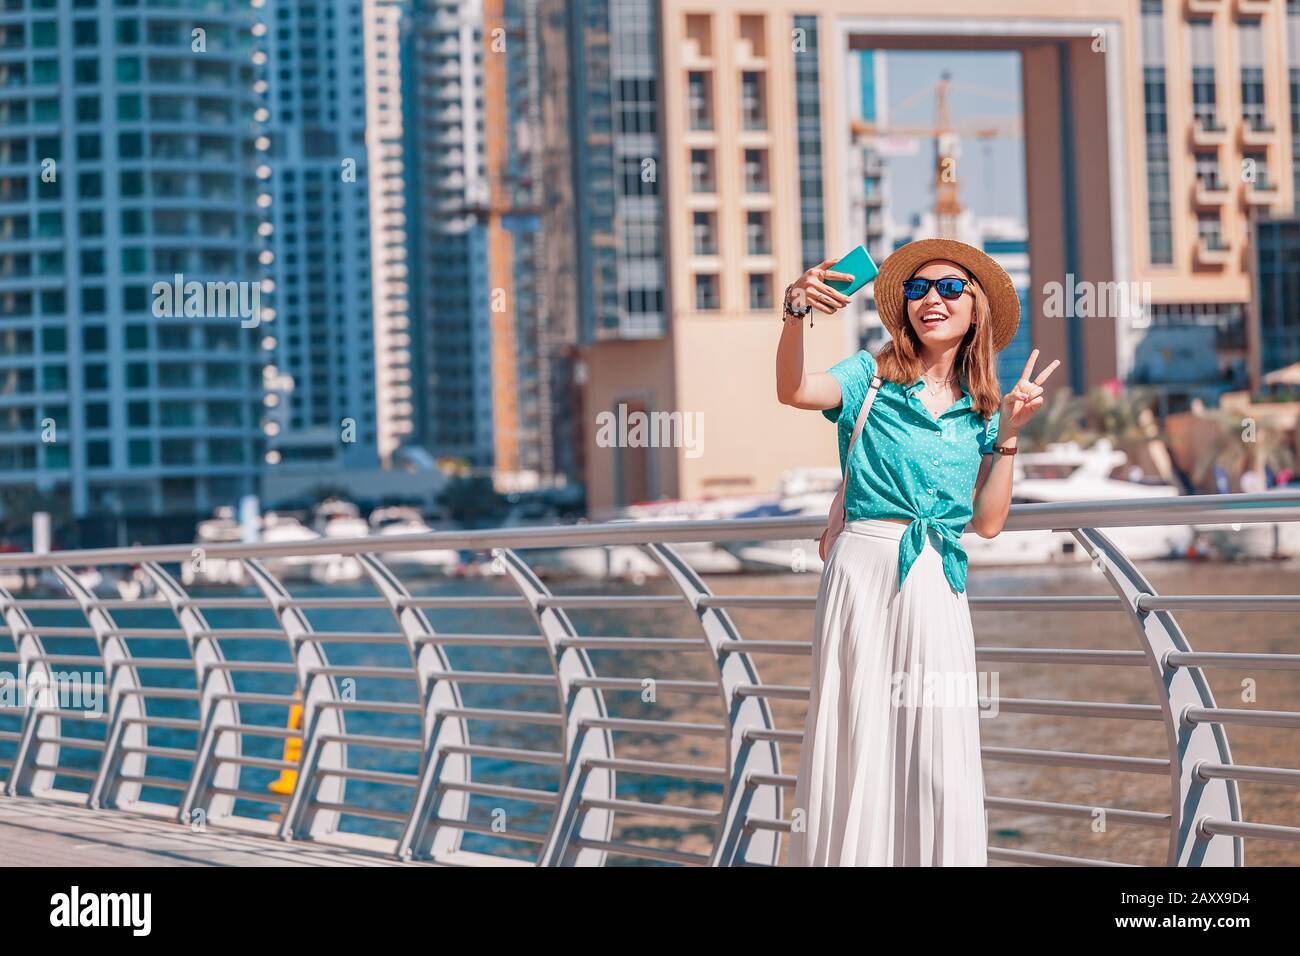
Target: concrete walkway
<point x="35" y="832"/>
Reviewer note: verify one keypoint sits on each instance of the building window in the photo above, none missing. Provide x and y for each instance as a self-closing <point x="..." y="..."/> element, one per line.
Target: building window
<point x="1252" y="98"/>
<point x="96" y="377"/>
<point x="98" y="454"/>
<point x="1250" y="48"/>
<point x="637" y="105"/>
<point x="97" y="415"/>
<point x="1200" y="34"/>
<point x="1209" y="229"/>
<point x="705" y="232"/>
<point x="757" y="233"/>
<point x="699" y="100"/>
<point x="1204" y="107"/>
<point x="636" y="177"/>
<point x="1207" y="170"/>
<point x="760" y="291"/>
<point x="643" y="301"/>
<point x="706" y="292"/>
<point x="177" y="451"/>
<point x="702" y="171"/>
<point x="753" y="108"/>
<point x="756" y="171"/>
<point x="1256" y="164"/>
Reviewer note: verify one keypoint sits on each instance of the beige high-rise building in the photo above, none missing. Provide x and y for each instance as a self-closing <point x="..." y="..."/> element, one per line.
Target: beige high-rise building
<point x="1153" y="132"/>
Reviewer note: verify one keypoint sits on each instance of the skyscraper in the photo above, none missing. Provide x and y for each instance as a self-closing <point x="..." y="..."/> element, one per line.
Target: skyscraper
<point x="449" y="230"/>
<point x="127" y="173"/>
<point x="336" y="253"/>
<point x="494" y="262"/>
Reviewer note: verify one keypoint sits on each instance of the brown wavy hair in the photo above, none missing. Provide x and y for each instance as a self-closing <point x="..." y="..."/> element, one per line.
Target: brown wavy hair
<point x="900" y="359"/>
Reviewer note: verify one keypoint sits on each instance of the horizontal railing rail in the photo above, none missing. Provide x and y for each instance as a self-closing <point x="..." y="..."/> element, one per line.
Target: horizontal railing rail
<point x="1137" y="512"/>
<point x="245" y="709"/>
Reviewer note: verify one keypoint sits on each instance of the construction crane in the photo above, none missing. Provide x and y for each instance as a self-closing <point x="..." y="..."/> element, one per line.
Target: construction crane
<point x="947" y="136"/>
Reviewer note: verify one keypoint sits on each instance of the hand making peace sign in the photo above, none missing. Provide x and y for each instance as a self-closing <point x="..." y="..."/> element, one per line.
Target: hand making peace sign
<point x="1020" y="404"/>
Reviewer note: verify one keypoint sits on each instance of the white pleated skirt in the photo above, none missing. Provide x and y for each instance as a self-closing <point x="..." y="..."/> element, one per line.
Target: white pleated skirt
<point x="889" y="773"/>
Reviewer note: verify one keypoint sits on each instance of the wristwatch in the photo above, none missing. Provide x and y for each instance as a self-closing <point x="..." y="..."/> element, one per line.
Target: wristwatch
<point x="1004" y="450"/>
<point x="792" y="312"/>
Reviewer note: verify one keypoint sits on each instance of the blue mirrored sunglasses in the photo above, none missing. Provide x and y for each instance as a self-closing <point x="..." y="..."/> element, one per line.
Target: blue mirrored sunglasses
<point x="949" y="288"/>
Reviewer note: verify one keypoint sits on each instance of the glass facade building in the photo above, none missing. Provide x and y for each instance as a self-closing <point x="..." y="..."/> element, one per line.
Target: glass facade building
<point x="319" y="173"/>
<point x="127" y="165"/>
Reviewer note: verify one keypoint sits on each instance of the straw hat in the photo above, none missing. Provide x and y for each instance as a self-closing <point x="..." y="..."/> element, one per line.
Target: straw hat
<point x="1004" y="303"/>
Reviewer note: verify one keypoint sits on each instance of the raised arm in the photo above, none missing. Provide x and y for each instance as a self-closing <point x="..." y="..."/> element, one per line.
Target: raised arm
<point x="992" y="499"/>
<point x="794" y="386"/>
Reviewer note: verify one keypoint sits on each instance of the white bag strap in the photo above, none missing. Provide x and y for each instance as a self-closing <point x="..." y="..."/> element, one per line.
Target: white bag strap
<point x="857" y="428"/>
<point x="835" y="520"/>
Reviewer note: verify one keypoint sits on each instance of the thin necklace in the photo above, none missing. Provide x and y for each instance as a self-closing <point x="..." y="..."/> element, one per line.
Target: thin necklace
<point x="934" y="389"/>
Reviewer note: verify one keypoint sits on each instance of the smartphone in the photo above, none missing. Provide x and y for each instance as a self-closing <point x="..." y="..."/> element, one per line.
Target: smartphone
<point x="857" y="264"/>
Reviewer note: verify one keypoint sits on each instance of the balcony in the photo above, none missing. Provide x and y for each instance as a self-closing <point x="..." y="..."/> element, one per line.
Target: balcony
<point x="1262" y="192"/>
<point x="1211" y="192"/>
<point x="1257" y="131"/>
<point x="695" y="54"/>
<point x="1211" y="250"/>
<point x="1252" y="8"/>
<point x="750" y="54"/>
<point x="1208" y="131"/>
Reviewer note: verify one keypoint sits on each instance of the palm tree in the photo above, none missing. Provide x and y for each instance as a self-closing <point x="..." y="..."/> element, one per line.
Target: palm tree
<point x="1124" y="415"/>
<point x="1127" y="417"/>
<point x="1229" y="449"/>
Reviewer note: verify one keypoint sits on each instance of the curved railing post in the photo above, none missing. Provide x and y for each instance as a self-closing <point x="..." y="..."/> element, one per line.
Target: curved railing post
<point x="1179" y="688"/>
<point x="418" y="838"/>
<point x="577" y="704"/>
<point x="212" y="764"/>
<point x="318" y="758"/>
<point x="25" y="778"/>
<point x="744" y="714"/>
<point x="127" y="735"/>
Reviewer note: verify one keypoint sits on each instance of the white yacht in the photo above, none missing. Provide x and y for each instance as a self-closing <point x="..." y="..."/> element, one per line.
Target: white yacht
<point x="805" y="492"/>
<point x="335" y="518"/>
<point x="1063" y="472"/>
<point x="1252" y="540"/>
<point x="406" y="520"/>
<point x="704" y="557"/>
<point x="625" y="562"/>
<point x="221" y="528"/>
<point x="286" y="529"/>
<point x="134" y="584"/>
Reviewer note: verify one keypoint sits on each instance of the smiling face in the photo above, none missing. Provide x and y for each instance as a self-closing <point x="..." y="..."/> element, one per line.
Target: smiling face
<point x="939" y="322"/>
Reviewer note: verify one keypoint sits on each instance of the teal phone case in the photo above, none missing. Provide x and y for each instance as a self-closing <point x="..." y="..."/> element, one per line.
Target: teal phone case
<point x="857" y="264"/>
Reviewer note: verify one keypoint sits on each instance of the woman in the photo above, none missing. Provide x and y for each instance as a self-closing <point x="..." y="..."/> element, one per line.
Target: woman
<point x="889" y="773"/>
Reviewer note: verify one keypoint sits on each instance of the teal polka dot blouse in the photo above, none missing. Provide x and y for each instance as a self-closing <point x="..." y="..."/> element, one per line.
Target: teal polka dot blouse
<point x="908" y="464"/>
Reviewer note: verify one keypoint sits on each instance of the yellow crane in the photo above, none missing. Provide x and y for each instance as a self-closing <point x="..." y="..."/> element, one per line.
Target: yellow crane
<point x="947" y="136"/>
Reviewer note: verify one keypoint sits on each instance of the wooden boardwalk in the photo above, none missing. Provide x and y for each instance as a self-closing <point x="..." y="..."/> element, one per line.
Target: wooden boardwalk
<point x="37" y="832"/>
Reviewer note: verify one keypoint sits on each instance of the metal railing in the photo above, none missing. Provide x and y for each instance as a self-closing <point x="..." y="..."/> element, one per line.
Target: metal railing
<point x="197" y="709"/>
